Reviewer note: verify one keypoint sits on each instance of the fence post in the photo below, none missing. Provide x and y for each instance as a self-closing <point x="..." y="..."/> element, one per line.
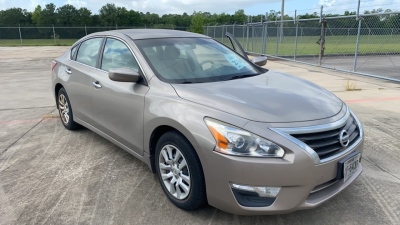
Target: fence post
<point x="277" y="35"/>
<point x="233" y="29"/>
<point x="357" y="44"/>
<point x="116" y="26"/>
<point x="358" y="37"/>
<point x="223" y="27"/>
<point x="20" y="35"/>
<point x="266" y="33"/>
<point x="322" y="39"/>
<point x="215" y="27"/>
<point x="297" y="30"/>
<point x="54" y="34"/>
<point x="252" y="35"/>
<point x="262" y="35"/>
<point x="391" y="36"/>
<point x="247" y="39"/>
<point x="244" y="23"/>
<point x="85" y="30"/>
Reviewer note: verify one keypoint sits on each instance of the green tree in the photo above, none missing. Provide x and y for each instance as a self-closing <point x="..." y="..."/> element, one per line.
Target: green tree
<point x="197" y="23"/>
<point x="36" y="15"/>
<point x="109" y="15"/>
<point x="12" y="17"/>
<point x="134" y="18"/>
<point x="85" y="16"/>
<point x="48" y="15"/>
<point x="68" y="15"/>
<point x="239" y="16"/>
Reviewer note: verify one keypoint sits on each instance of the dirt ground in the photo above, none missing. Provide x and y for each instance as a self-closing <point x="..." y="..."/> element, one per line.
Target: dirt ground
<point x="49" y="175"/>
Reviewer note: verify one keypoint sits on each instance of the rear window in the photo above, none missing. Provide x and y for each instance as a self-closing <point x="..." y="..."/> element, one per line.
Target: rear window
<point x="73" y="52"/>
<point x="88" y="52"/>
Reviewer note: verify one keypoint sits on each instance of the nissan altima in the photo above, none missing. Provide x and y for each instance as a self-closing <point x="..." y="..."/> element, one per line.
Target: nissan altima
<point x="214" y="125"/>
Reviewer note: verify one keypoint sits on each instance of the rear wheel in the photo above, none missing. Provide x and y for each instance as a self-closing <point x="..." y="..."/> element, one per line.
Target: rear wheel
<point x="65" y="110"/>
<point x="180" y="172"/>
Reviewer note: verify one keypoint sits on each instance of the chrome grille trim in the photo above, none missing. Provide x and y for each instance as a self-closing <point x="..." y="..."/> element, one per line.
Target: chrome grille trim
<point x="318" y="128"/>
<point x="286" y="132"/>
<point x="299" y="143"/>
<point x="352" y="146"/>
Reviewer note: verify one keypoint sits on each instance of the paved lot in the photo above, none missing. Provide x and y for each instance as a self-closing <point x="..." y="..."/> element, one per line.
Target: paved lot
<point x="382" y="65"/>
<point x="49" y="175"/>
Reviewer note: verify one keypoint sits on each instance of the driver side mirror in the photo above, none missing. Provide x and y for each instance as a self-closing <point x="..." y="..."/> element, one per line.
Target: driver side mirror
<point x="259" y="60"/>
<point x="123" y="75"/>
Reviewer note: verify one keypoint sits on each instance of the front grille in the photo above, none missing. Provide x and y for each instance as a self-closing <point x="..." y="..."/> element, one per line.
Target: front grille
<point x="327" y="143"/>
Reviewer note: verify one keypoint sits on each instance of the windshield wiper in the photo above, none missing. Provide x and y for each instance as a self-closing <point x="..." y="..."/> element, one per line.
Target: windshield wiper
<point x="241" y="76"/>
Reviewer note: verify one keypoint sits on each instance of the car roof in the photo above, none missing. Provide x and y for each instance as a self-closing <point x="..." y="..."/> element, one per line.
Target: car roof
<point x="137" y="34"/>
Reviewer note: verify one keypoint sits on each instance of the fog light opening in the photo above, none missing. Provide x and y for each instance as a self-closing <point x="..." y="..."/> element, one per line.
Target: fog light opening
<point x="270" y="192"/>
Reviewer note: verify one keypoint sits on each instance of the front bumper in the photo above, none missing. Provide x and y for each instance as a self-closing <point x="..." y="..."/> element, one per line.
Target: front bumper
<point x="303" y="184"/>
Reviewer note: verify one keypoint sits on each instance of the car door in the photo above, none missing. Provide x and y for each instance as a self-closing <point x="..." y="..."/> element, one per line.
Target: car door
<point x="118" y="106"/>
<point x="235" y="45"/>
<point x="80" y="69"/>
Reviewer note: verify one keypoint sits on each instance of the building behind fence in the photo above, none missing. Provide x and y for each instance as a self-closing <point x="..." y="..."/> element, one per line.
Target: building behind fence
<point x="367" y="44"/>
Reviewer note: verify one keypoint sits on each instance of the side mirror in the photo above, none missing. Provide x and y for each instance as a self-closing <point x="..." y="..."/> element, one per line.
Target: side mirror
<point x="259" y="60"/>
<point x="123" y="75"/>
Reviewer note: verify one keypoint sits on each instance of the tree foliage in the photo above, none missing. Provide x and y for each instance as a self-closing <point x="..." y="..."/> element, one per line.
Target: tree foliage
<point x="111" y="15"/>
<point x="197" y="23"/>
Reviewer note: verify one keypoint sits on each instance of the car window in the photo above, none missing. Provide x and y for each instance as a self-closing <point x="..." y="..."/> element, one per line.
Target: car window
<point x="88" y="52"/>
<point x="73" y="52"/>
<point x="194" y="60"/>
<point x="117" y="55"/>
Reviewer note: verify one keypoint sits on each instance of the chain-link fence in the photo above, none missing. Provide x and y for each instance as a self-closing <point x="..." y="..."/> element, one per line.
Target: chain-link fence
<point x="366" y="44"/>
<point x="53" y="35"/>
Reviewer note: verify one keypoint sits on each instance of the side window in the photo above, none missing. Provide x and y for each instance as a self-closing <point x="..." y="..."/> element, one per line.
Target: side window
<point x="73" y="52"/>
<point x="88" y="52"/>
<point x="117" y="55"/>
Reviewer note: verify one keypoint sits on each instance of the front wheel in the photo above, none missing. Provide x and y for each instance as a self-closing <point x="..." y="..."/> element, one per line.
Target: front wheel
<point x="65" y="110"/>
<point x="180" y="172"/>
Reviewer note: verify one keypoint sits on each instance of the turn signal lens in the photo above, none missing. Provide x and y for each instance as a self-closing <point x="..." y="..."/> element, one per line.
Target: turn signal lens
<point x="222" y="142"/>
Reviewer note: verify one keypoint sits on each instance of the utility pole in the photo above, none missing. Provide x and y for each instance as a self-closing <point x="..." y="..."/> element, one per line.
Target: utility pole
<point x="282" y="17"/>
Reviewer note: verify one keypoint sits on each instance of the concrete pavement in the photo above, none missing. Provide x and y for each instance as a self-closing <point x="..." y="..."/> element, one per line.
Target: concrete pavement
<point x="49" y="175"/>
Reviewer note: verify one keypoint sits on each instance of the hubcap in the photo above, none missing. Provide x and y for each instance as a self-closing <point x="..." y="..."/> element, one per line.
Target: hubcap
<point x="63" y="108"/>
<point x="174" y="171"/>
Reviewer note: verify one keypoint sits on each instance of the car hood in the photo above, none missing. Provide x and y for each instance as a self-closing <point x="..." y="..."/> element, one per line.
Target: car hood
<point x="272" y="97"/>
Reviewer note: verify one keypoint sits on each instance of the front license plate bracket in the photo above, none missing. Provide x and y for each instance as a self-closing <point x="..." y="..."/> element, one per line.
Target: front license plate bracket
<point x="340" y="167"/>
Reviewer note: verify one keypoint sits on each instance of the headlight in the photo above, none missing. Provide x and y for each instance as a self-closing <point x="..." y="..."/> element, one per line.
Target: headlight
<point x="235" y="141"/>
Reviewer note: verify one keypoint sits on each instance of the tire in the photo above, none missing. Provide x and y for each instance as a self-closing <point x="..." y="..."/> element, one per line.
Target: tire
<point x="65" y="110"/>
<point x="171" y="166"/>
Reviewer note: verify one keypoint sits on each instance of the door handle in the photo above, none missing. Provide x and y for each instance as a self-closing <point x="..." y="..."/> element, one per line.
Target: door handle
<point x="96" y="84"/>
<point x="68" y="70"/>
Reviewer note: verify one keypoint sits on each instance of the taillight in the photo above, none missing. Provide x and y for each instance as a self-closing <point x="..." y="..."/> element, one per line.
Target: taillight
<point x="53" y="64"/>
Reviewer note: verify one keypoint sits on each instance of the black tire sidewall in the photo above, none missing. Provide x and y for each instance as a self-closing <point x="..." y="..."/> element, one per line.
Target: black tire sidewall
<point x="196" y="197"/>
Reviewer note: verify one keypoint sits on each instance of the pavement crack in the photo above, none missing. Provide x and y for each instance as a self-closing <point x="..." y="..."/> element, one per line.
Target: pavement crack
<point x="40" y="107"/>
<point x="12" y="144"/>
<point x="382" y="169"/>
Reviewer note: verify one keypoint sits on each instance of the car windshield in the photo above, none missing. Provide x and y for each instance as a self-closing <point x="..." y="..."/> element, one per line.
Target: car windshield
<point x="194" y="60"/>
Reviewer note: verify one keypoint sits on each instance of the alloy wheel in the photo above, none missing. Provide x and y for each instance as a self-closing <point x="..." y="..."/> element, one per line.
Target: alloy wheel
<point x="174" y="172"/>
<point x="63" y="107"/>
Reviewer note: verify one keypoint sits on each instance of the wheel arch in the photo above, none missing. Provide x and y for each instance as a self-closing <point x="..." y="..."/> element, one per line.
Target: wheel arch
<point x="159" y="130"/>
<point x="56" y="89"/>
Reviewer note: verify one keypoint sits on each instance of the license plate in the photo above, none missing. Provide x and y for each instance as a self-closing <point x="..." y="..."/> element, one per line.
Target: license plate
<point x="350" y="167"/>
